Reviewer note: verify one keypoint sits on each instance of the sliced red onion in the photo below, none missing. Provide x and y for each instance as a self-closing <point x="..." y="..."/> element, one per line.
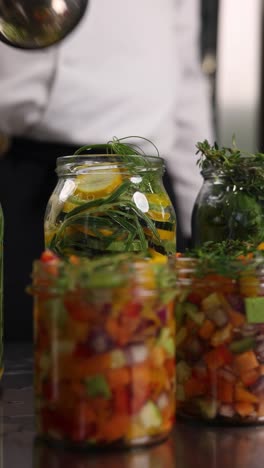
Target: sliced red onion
<point x="227" y="411"/>
<point x="162" y="314"/>
<point x="136" y="353"/>
<point x="99" y="341"/>
<point x="258" y="387"/>
<point x="237" y="302"/>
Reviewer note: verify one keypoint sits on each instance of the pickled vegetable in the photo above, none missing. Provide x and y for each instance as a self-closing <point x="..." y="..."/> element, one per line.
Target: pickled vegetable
<point x="104" y="350"/>
<point x="220" y="344"/>
<point x="110" y="203"/>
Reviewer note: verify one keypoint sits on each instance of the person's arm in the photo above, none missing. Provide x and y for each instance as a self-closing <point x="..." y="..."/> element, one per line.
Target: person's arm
<point x="193" y="113"/>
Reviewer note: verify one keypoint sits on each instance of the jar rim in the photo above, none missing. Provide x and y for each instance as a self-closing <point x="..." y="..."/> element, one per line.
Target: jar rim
<point x="67" y="165"/>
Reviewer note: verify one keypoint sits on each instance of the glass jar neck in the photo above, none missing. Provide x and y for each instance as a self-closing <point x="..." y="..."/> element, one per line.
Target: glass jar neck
<point x="127" y="164"/>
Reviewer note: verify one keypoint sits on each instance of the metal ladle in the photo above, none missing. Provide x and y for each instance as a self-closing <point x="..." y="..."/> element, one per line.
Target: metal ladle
<point x="35" y="24"/>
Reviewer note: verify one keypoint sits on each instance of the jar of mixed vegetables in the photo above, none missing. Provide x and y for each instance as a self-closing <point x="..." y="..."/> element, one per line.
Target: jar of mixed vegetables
<point x="104" y="350"/>
<point x="110" y="203"/>
<point x="220" y="340"/>
<point x="230" y="203"/>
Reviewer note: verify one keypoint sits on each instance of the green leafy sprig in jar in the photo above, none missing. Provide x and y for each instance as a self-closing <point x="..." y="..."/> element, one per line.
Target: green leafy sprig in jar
<point x="230" y="204"/>
<point x="110" y="199"/>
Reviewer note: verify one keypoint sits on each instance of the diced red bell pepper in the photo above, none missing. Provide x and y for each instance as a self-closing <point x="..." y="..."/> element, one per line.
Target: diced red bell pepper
<point x="218" y="357"/>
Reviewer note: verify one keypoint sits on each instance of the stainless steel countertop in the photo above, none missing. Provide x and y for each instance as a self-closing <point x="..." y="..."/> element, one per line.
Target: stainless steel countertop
<point x="190" y="446"/>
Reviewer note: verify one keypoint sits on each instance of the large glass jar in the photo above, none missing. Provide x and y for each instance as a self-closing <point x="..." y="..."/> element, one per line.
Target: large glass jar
<point x="220" y="342"/>
<point x="104" y="350"/>
<point x="105" y="204"/>
<point x="224" y="209"/>
<point x="1" y="289"/>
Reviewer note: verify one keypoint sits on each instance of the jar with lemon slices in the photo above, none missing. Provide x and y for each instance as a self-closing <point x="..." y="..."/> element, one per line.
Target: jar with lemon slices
<point x="110" y="203"/>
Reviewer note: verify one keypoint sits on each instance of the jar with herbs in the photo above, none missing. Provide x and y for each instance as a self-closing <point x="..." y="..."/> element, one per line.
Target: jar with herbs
<point x="230" y="204"/>
<point x="104" y="350"/>
<point x="109" y="203"/>
<point x="220" y="335"/>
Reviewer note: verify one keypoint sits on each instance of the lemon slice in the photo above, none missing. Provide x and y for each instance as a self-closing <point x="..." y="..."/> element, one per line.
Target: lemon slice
<point x="94" y="185"/>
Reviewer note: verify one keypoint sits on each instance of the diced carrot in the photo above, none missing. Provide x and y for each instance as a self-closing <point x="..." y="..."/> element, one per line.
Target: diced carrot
<point x="118" y="377"/>
<point x="241" y="394"/>
<point x="139" y="396"/>
<point x="218" y="357"/>
<point x="250" y="377"/>
<point x="207" y="329"/>
<point x="121" y="400"/>
<point x="116" y="332"/>
<point x="245" y="361"/>
<point x="194" y="387"/>
<point x="225" y="391"/>
<point x="114" y="428"/>
<point x="261" y="246"/>
<point x="70" y="367"/>
<point x="170" y="367"/>
<point x="244" y="408"/>
<point x="236" y="319"/>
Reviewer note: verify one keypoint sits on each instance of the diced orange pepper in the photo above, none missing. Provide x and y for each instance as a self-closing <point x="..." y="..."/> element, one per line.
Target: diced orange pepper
<point x="250" y="377"/>
<point x="206" y="330"/>
<point x="70" y="367"/>
<point x="245" y="361"/>
<point x="114" y="428"/>
<point x="218" y="357"/>
<point x="118" y="377"/>
<point x="236" y="319"/>
<point x="241" y="394"/>
<point x="244" y="408"/>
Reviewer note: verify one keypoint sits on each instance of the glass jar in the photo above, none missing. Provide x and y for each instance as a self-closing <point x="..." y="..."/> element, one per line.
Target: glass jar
<point x="225" y="210"/>
<point x="220" y="344"/>
<point x="1" y="291"/>
<point x="106" y="204"/>
<point x="104" y="351"/>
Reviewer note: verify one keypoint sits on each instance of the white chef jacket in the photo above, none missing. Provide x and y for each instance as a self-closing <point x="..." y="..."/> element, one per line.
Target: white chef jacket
<point x="129" y="68"/>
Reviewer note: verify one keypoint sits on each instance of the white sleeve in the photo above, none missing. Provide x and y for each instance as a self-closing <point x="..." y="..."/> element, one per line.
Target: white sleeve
<point x="26" y="79"/>
<point x="193" y="114"/>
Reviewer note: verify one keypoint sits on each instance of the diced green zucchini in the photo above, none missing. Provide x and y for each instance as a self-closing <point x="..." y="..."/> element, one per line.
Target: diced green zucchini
<point x="193" y="313"/>
<point x="179" y="312"/>
<point x="212" y="301"/>
<point x="242" y="345"/>
<point x="183" y="372"/>
<point x="150" y="415"/>
<point x="97" y="386"/>
<point x="180" y="393"/>
<point x="167" y="342"/>
<point x="207" y="408"/>
<point x="118" y="359"/>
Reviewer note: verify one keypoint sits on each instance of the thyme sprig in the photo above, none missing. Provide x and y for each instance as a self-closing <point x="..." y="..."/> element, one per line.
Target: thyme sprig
<point x="228" y="258"/>
<point x="242" y="168"/>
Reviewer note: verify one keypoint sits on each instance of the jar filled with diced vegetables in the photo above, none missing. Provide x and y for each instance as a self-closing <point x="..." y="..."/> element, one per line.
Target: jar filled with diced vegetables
<point x="110" y="203"/>
<point x="104" y="350"/>
<point x="220" y="337"/>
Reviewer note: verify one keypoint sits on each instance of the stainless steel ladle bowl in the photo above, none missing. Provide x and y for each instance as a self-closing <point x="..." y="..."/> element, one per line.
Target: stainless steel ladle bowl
<point x="35" y="24"/>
